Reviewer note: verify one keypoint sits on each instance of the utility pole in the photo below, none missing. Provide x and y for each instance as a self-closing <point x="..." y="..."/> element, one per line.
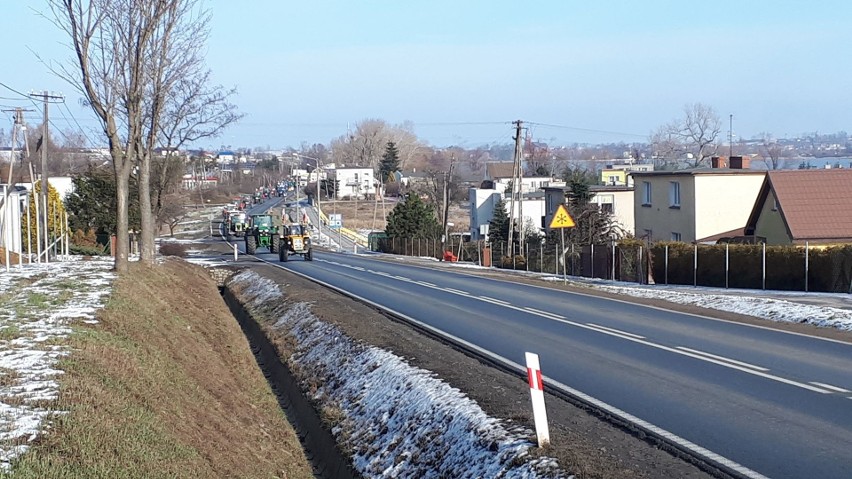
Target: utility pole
<point x="446" y="205"/>
<point x="730" y="137"/>
<point x="46" y="97"/>
<point x="516" y="178"/>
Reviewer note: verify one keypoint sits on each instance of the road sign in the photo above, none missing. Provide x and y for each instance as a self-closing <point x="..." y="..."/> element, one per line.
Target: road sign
<point x="335" y="221"/>
<point x="561" y="219"/>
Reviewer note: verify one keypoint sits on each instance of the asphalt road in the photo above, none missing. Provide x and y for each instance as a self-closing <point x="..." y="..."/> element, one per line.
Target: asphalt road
<point x="777" y="403"/>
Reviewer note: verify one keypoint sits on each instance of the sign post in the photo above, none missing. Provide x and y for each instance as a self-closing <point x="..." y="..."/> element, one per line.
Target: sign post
<point x="561" y="220"/>
<point x="537" y="395"/>
<point x="335" y="222"/>
<point x="235" y="251"/>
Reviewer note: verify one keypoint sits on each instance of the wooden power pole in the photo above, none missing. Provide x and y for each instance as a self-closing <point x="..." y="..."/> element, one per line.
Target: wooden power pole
<point x="46" y="98"/>
<point x="516" y="180"/>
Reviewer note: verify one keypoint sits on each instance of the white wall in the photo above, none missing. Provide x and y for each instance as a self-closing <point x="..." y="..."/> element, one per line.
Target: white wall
<point x="481" y="209"/>
<point x="10" y="220"/>
<point x="354" y="182"/>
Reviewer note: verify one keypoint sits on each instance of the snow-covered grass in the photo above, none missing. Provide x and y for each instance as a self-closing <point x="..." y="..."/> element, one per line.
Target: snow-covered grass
<point x="398" y="420"/>
<point x="37" y="306"/>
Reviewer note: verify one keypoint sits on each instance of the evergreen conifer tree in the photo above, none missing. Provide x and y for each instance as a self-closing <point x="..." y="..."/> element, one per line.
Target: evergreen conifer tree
<point x="390" y="161"/>
<point x="498" y="229"/>
<point x="412" y="219"/>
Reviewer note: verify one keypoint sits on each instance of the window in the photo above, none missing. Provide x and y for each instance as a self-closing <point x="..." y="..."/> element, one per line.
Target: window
<point x="774" y="204"/>
<point x="646" y="193"/>
<point x="675" y="236"/>
<point x="606" y="208"/>
<point x="674" y="194"/>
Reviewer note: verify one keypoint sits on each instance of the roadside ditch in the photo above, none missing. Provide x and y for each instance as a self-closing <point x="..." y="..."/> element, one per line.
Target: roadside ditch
<point x="389" y="423"/>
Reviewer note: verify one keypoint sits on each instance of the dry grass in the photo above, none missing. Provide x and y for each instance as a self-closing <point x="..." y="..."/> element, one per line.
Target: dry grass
<point x="165" y="386"/>
<point x="370" y="214"/>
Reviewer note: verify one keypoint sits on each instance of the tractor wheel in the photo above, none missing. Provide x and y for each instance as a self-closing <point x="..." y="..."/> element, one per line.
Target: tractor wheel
<point x="274" y="244"/>
<point x="309" y="256"/>
<point x="251" y="244"/>
<point x="283" y="254"/>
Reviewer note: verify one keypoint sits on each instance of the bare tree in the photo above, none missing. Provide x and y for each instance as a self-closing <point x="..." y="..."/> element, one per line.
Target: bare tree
<point x="696" y="134"/>
<point x="365" y="145"/>
<point x="112" y="42"/>
<point x="172" y="212"/>
<point x="131" y="55"/>
<point x="772" y="152"/>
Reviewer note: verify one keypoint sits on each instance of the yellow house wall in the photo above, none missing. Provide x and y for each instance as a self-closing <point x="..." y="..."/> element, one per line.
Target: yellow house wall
<point x="620" y="175"/>
<point x="660" y="217"/>
<point x="724" y="202"/>
<point x="770" y="224"/>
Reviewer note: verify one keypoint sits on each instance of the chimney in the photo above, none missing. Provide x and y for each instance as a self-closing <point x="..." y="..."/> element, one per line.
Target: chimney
<point x="718" y="162"/>
<point x="740" y="162"/>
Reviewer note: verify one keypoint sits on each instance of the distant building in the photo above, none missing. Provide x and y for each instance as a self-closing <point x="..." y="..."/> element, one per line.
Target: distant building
<point x="11" y="214"/>
<point x="615" y="200"/>
<point x="353" y="182"/>
<point x="619" y="174"/>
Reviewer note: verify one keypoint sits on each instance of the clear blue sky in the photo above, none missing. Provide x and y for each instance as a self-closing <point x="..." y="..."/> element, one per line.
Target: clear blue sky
<point x="304" y="70"/>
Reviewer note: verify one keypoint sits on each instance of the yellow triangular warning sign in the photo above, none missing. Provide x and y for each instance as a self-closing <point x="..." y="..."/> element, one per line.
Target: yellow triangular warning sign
<point x="561" y="219"/>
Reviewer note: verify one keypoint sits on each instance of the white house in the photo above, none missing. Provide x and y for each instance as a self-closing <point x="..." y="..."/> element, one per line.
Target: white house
<point x="616" y="200"/>
<point x="482" y="204"/>
<point x="353" y="182"/>
<point x="11" y="212"/>
<point x="481" y="210"/>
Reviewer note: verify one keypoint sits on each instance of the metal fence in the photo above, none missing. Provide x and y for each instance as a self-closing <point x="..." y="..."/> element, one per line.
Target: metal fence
<point x="792" y="267"/>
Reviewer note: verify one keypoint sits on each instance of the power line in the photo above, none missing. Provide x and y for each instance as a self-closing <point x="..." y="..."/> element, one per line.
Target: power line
<point x="13" y="90"/>
<point x="78" y="124"/>
<point x="588" y="130"/>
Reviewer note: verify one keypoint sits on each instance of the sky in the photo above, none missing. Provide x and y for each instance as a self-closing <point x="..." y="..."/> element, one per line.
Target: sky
<point x="462" y="71"/>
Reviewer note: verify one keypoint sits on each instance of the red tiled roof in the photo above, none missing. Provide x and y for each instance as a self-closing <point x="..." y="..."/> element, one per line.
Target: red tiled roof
<point x="815" y="204"/>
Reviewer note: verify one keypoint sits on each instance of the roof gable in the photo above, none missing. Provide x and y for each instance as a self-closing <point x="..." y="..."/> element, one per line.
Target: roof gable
<point x="502" y="169"/>
<point x="814" y="204"/>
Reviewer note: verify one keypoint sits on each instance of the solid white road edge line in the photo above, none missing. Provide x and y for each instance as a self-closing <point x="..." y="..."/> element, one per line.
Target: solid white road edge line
<point x="623" y="415"/>
<point x="723" y="358"/>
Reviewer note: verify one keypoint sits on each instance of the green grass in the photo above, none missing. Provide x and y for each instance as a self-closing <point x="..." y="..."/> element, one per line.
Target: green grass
<point x="8" y="333"/>
<point x="38" y="300"/>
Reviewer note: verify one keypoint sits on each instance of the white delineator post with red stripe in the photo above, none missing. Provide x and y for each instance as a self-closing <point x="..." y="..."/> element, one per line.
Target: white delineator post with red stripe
<point x="537" y="394"/>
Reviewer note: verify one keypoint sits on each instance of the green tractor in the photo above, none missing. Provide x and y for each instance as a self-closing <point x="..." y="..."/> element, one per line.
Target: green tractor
<point x="261" y="233"/>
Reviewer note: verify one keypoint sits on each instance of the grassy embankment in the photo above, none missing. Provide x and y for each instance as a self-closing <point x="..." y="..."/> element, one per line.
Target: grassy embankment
<point x="164" y="386"/>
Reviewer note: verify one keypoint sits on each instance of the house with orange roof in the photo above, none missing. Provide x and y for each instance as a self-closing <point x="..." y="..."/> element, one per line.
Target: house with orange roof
<point x="799" y="206"/>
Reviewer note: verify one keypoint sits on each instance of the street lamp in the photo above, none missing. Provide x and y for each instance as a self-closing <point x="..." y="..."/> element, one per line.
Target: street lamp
<point x="319" y="184"/>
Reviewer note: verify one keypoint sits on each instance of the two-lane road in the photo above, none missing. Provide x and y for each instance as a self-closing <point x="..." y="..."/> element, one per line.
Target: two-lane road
<point x="775" y="402"/>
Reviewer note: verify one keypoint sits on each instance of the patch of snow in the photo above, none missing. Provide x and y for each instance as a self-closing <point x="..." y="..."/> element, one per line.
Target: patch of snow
<point x="38" y="303"/>
<point x="400" y="421"/>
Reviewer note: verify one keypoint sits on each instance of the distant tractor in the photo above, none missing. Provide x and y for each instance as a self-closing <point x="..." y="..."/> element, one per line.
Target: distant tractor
<point x="295" y="240"/>
<point x="261" y="233"/>
<point x="237" y="223"/>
